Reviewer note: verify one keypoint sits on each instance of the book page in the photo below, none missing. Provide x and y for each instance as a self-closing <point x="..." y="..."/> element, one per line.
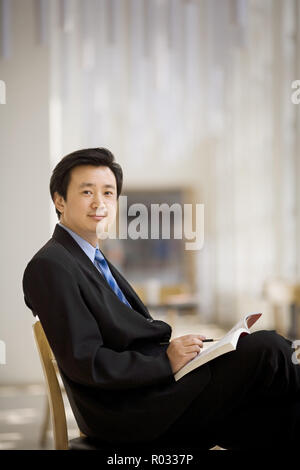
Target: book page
<point x="230" y="337"/>
<point x="245" y="322"/>
<point x="241" y="327"/>
<point x="226" y="344"/>
<point x="252" y="318"/>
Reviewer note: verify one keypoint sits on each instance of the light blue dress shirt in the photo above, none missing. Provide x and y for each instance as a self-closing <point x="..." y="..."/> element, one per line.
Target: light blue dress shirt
<point x="84" y="245"/>
<point x="90" y="251"/>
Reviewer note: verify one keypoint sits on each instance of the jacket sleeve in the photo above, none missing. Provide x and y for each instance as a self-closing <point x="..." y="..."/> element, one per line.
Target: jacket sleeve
<point x="52" y="292"/>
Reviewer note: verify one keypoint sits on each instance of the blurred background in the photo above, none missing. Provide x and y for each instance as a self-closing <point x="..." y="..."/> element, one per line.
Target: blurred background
<point x="194" y="98"/>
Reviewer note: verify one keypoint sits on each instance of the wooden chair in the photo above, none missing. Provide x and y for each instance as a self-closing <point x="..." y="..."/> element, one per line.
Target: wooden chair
<point x="55" y="398"/>
<point x="56" y="403"/>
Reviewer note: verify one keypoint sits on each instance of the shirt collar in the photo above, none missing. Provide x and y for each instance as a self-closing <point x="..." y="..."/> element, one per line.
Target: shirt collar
<point x="89" y="249"/>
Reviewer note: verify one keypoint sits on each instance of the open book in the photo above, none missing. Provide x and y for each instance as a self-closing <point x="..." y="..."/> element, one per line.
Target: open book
<point x="228" y="343"/>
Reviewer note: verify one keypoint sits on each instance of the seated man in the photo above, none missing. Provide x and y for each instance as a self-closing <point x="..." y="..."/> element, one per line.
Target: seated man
<point x="116" y="361"/>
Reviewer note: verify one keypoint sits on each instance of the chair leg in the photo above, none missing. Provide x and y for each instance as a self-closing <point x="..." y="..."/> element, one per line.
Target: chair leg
<point x="45" y="424"/>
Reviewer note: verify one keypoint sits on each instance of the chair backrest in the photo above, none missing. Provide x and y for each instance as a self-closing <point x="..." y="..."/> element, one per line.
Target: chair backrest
<point x="56" y="403"/>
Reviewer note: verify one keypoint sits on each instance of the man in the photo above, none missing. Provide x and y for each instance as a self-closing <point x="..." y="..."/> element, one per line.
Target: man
<point x="114" y="358"/>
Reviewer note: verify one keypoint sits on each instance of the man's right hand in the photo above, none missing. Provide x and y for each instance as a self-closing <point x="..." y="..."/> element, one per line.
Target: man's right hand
<point x="182" y="349"/>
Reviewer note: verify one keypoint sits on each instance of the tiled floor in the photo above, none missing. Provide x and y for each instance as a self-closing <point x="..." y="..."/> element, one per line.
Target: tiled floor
<point x="22" y="408"/>
<point x="21" y="414"/>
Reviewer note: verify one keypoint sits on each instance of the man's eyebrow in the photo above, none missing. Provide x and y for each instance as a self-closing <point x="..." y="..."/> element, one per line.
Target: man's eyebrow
<point x="83" y="185"/>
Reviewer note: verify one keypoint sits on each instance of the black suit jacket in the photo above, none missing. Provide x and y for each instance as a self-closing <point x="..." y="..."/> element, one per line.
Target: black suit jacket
<point x="116" y="373"/>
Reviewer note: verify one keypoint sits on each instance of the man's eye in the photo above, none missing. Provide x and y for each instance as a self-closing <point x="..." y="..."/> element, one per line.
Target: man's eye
<point x="87" y="191"/>
<point x="108" y="192"/>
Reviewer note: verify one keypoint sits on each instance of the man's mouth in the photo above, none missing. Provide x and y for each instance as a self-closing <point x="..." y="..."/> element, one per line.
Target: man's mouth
<point x="97" y="217"/>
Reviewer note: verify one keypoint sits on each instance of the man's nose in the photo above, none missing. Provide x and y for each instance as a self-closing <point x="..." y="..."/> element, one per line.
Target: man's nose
<point x="98" y="201"/>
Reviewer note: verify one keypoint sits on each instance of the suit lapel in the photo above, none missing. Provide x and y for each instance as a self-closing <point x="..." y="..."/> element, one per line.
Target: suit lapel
<point x="61" y="236"/>
<point x="124" y="285"/>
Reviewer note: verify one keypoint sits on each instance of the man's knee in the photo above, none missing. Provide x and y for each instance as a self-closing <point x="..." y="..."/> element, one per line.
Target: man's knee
<point x="266" y="345"/>
<point x="265" y="339"/>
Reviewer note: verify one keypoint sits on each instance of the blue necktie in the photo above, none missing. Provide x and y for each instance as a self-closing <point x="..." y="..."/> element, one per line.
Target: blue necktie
<point x="102" y="265"/>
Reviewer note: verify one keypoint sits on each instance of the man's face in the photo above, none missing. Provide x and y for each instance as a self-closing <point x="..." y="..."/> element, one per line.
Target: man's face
<point x="91" y="202"/>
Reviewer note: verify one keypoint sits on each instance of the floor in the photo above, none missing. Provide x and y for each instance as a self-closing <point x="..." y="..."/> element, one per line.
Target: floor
<point x="22" y="407"/>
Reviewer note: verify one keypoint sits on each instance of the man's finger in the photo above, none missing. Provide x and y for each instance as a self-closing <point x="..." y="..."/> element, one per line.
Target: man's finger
<point x="191" y="349"/>
<point x="193" y="340"/>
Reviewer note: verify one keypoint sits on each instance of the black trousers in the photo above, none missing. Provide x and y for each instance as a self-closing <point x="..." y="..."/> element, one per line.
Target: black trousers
<point x="256" y="399"/>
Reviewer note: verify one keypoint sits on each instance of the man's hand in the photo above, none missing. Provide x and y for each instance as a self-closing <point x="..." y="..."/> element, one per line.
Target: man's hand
<point x="182" y="349"/>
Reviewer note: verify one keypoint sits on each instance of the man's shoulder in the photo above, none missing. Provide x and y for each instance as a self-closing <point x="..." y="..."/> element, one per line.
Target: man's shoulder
<point x="52" y="269"/>
<point x="51" y="254"/>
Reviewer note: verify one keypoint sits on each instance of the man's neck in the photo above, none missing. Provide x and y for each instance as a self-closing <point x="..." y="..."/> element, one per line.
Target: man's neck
<point x="87" y="237"/>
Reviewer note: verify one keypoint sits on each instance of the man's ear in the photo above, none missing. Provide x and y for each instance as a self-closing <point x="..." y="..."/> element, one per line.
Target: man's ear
<point x="59" y="202"/>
